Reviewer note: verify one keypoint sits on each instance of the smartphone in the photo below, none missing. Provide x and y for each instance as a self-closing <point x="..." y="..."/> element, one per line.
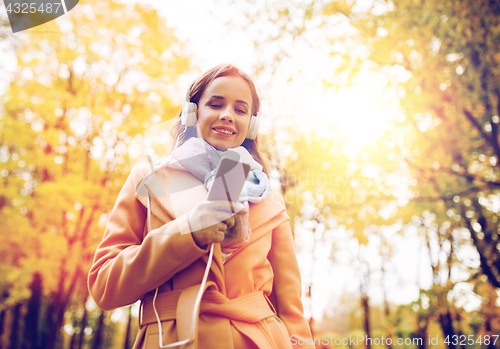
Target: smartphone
<point x="230" y="177"/>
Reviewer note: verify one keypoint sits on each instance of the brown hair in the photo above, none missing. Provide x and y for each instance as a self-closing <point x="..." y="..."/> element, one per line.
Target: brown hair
<point x="196" y="91"/>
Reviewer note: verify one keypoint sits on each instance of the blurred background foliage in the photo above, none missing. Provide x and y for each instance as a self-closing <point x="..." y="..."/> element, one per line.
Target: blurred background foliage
<point x="417" y="205"/>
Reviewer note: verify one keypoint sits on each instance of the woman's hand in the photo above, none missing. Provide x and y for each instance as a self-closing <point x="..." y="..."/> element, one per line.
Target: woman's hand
<point x="209" y="221"/>
<point x="239" y="234"/>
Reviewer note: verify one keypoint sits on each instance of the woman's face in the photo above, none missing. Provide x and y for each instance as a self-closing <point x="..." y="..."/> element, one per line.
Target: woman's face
<point x="224" y="111"/>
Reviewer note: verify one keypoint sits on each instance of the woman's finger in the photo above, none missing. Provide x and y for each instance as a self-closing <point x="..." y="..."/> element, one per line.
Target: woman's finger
<point x="230" y="222"/>
<point x="220" y="230"/>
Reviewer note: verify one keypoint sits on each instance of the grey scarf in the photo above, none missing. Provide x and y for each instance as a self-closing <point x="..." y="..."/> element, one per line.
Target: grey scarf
<point x="201" y="159"/>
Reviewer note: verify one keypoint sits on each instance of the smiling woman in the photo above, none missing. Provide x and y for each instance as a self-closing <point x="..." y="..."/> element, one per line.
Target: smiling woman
<point x="163" y="233"/>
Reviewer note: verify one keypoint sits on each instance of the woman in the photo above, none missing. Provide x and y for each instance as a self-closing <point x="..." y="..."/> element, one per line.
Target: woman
<point x="252" y="295"/>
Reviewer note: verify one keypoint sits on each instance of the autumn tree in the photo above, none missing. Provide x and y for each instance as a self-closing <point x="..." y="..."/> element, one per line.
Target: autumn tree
<point x="85" y="85"/>
<point x="451" y="101"/>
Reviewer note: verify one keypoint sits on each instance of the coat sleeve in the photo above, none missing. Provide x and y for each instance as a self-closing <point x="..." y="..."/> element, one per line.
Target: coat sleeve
<point x="126" y="265"/>
<point x="287" y="287"/>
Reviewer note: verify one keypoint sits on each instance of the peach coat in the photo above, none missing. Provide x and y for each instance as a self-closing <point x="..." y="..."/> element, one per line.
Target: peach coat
<point x="252" y="298"/>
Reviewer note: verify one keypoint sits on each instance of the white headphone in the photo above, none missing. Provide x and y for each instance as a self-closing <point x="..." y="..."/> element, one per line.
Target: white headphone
<point x="189" y="116"/>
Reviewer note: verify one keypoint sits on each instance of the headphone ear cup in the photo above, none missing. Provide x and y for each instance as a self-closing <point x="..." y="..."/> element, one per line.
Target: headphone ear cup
<point x="253" y="128"/>
<point x="189" y="114"/>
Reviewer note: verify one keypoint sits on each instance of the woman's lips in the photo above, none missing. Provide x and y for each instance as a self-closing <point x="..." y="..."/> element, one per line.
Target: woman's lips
<point x="223" y="132"/>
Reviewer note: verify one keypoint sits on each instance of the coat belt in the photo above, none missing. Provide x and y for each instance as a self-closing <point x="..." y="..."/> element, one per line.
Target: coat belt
<point x="250" y="308"/>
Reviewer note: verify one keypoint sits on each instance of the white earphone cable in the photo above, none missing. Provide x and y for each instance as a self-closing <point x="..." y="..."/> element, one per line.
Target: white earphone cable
<point x="177" y="141"/>
<point x="195" y="309"/>
<point x="198" y="297"/>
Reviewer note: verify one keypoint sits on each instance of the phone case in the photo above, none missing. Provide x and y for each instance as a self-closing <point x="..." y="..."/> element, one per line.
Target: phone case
<point x="230" y="177"/>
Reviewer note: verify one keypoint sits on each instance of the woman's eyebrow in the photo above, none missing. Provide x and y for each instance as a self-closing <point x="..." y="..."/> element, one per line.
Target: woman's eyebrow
<point x="222" y="98"/>
<point x="217" y="97"/>
<point x="240" y="101"/>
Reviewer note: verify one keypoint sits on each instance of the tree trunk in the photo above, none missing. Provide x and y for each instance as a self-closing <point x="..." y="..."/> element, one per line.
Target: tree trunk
<point x="83" y="323"/>
<point x="55" y="316"/>
<point x="47" y="334"/>
<point x="49" y="331"/>
<point x="447" y="326"/>
<point x="363" y="290"/>
<point x="2" y="324"/>
<point x="387" y="314"/>
<point x="490" y="315"/>
<point x="31" y="318"/>
<point x="14" y="329"/>
<point x="487" y="327"/>
<point x="421" y="331"/>
<point x="129" y="327"/>
<point x="488" y="256"/>
<point x="98" y="332"/>
<point x="74" y="336"/>
<point x="366" y="320"/>
<point x="387" y="311"/>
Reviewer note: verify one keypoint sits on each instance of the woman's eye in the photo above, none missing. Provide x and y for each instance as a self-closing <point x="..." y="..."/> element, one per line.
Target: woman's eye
<point x="241" y="111"/>
<point x="215" y="105"/>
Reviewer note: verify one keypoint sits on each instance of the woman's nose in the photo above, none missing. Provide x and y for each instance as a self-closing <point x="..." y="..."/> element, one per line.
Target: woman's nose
<point x="226" y="115"/>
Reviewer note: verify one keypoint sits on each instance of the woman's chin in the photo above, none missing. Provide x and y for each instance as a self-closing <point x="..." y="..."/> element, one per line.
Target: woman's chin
<point x="218" y="144"/>
<point x="221" y="144"/>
